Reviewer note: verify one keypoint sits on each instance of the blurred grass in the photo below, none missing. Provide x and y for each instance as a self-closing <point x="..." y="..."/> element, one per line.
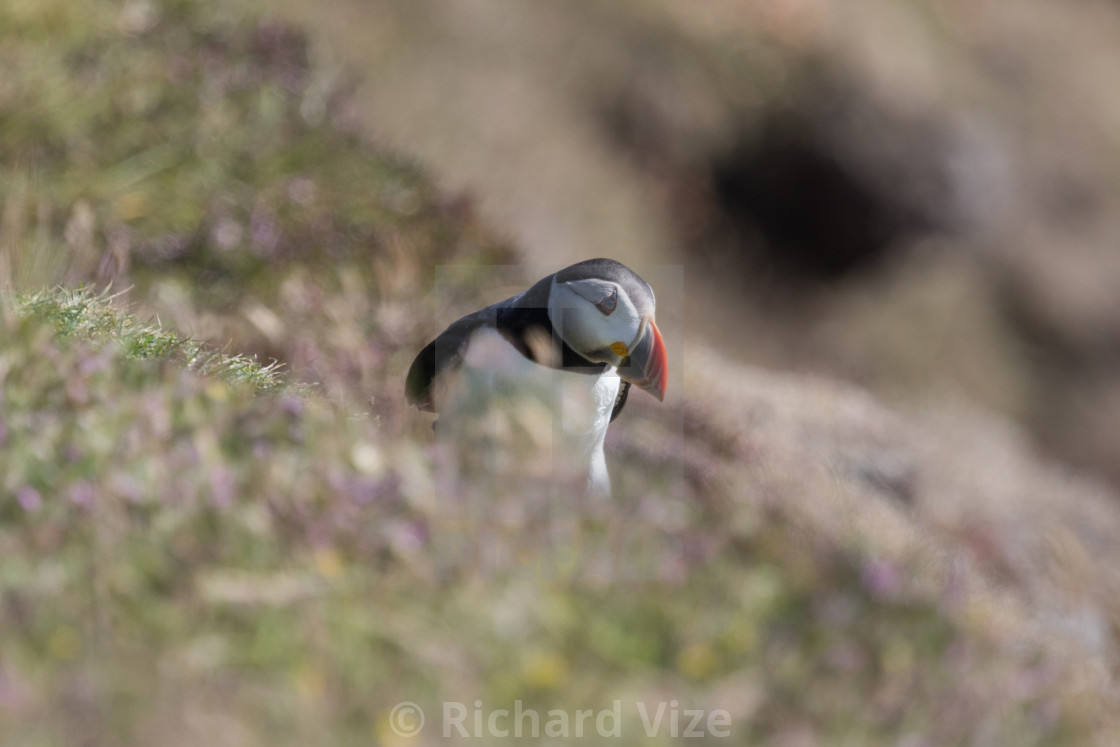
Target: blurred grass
<point x="158" y="523"/>
<point x="198" y="548"/>
<point x="190" y="558"/>
<point x="195" y="157"/>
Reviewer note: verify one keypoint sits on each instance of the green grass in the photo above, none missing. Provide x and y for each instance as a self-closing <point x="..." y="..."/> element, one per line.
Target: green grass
<point x="95" y="318"/>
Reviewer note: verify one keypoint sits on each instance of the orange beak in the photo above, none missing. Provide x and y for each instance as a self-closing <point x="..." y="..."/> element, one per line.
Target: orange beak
<point x="647" y="365"/>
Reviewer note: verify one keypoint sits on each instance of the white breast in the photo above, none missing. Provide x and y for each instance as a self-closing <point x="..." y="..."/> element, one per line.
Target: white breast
<point x="530" y="415"/>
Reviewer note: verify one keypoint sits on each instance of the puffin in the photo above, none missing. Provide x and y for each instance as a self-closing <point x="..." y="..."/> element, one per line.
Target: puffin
<point x="577" y="340"/>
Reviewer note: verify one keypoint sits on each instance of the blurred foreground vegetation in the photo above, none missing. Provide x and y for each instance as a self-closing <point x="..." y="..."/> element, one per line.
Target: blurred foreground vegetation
<point x="193" y="557"/>
<point x="197" y="548"/>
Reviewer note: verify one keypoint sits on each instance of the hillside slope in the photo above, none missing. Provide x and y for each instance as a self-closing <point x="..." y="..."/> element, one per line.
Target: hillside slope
<point x="239" y="553"/>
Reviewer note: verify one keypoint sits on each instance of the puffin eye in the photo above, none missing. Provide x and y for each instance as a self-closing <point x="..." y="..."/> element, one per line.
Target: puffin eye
<point x="608" y="304"/>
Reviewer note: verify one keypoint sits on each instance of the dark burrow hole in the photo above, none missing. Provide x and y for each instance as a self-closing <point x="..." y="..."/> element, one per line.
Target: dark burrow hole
<point x="813" y="189"/>
<point x="793" y="205"/>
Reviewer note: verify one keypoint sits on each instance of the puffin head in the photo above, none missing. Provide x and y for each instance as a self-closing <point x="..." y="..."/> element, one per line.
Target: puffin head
<point x="604" y="311"/>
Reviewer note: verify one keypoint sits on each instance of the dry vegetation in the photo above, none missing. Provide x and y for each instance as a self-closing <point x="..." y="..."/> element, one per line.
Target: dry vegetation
<point x="202" y="548"/>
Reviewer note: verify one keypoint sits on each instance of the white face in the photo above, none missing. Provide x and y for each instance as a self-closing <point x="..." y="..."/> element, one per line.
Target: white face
<point x="595" y="318"/>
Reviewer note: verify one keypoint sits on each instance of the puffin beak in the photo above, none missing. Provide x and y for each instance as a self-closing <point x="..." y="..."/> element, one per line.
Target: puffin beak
<point x="647" y="365"/>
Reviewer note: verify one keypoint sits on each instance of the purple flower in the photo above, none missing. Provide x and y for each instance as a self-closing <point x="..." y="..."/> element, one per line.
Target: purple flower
<point x="29" y="498"/>
<point x="82" y="494"/>
<point x="223" y="487"/>
<point x="882" y="579"/>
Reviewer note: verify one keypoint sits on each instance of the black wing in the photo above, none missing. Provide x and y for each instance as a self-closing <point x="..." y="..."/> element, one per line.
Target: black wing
<point x="442" y="354"/>
<point x="445" y="353"/>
